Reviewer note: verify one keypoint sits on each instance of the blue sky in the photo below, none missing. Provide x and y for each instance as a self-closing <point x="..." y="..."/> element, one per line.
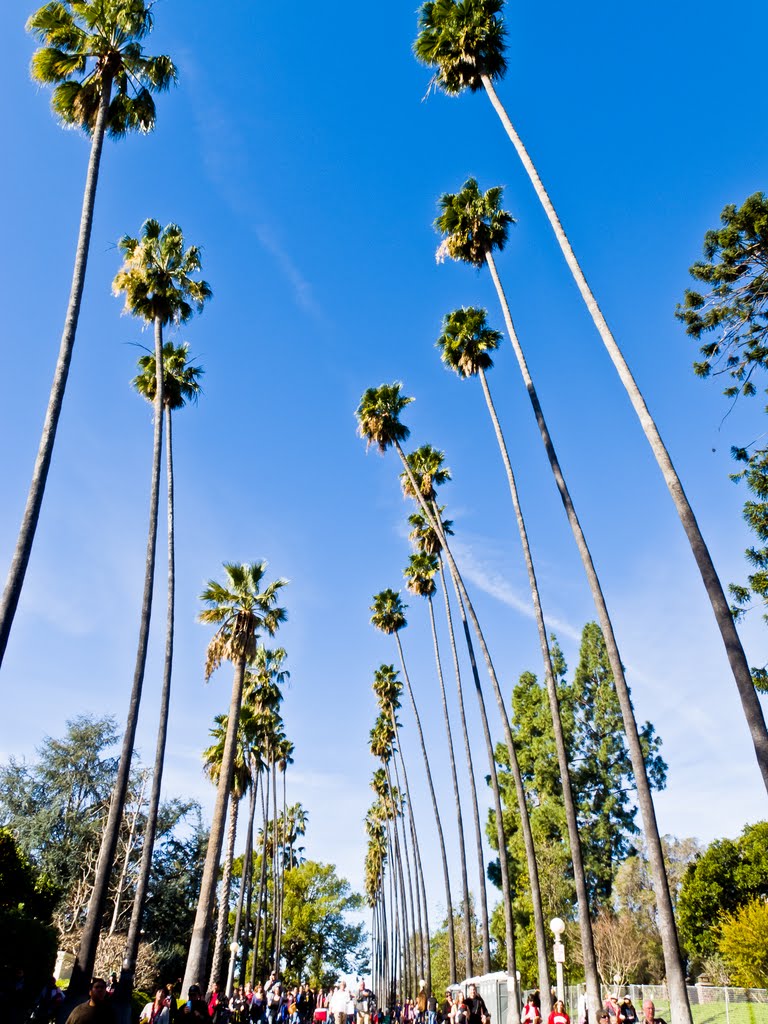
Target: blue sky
<point x="306" y="158"/>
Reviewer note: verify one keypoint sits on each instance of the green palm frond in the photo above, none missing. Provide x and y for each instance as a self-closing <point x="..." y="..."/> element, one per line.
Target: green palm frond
<point x="155" y="277"/>
<point x="180" y="377"/>
<point x="241" y="610"/>
<point x="466" y="341"/>
<point x="426" y="466"/>
<point x="92" y="45"/>
<point x="378" y="416"/>
<point x="473" y="223"/>
<point x="462" y="40"/>
<point x="388" y="611"/>
<point x="424" y="536"/>
<point x="419" y="574"/>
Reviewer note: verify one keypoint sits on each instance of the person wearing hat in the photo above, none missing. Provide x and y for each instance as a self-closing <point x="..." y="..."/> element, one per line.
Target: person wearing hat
<point x="628" y="1010"/>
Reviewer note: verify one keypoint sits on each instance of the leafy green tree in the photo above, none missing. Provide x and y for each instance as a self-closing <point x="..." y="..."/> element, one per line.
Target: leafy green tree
<point x="729" y="874"/>
<point x="463" y="40"/>
<point x="730" y="317"/>
<point x="241" y="610"/>
<point x="28" y="939"/>
<point x="318" y="937"/>
<point x="103" y="83"/>
<point x="56" y="807"/>
<point x="744" y="944"/>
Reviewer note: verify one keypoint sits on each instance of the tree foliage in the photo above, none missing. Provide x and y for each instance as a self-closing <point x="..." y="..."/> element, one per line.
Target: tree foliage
<point x="744" y="944"/>
<point x="602" y="784"/>
<point x="93" y="45"/>
<point x="319" y="941"/>
<point x="731" y="318"/>
<point x="729" y="874"/>
<point x="27" y="900"/>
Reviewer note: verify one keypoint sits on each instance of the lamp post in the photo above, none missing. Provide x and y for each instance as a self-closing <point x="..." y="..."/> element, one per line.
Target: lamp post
<point x="234" y="949"/>
<point x="557" y="927"/>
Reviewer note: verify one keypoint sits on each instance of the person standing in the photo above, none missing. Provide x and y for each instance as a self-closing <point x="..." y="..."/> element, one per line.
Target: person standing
<point x="339" y="1001"/>
<point x="98" y="1009"/>
<point x="477" y="1011"/>
<point x="630" y="1013"/>
<point x="365" y="1004"/>
<point x="558" y="1015"/>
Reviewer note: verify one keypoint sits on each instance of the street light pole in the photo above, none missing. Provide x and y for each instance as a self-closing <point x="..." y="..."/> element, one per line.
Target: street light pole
<point x="557" y="927"/>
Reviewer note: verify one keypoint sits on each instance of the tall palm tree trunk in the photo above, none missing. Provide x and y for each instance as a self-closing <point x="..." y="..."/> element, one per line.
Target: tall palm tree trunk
<point x="405" y="920"/>
<point x="485" y="930"/>
<point x="128" y="968"/>
<point x="433" y="517"/>
<point x="89" y="938"/>
<point x="23" y="550"/>
<point x="594" y="1002"/>
<point x="418" y="936"/>
<point x="275" y="881"/>
<point x="247" y="864"/>
<point x="679" y="1005"/>
<point x="222" y="927"/>
<point x="513" y="996"/>
<point x="201" y="929"/>
<point x="436" y="812"/>
<point x="536" y="895"/>
<point x="457" y="797"/>
<point x="750" y="702"/>
<point x="262" y="880"/>
<point x="281" y="865"/>
<point x="416" y="847"/>
<point x="129" y="846"/>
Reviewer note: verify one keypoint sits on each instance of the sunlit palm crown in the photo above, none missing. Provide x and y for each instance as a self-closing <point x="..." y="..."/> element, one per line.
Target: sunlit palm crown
<point x="381" y="738"/>
<point x="180" y="378"/>
<point x="462" y="40"/>
<point x="156" y="276"/>
<point x="467" y="341"/>
<point x="473" y="223"/>
<point x="86" y="44"/>
<point x="378" y="416"/>
<point x="426" y="465"/>
<point x="388" y="611"/>
<point x="419" y="574"/>
<point x="424" y="537"/>
<point x="241" y="610"/>
<point x="387" y="687"/>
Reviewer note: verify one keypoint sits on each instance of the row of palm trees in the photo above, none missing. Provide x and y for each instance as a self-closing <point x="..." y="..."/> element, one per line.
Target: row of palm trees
<point x="92" y="53"/>
<point x="463" y="42"/>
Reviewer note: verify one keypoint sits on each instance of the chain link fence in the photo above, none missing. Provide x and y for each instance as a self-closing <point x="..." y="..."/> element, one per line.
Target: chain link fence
<point x="710" y="1004"/>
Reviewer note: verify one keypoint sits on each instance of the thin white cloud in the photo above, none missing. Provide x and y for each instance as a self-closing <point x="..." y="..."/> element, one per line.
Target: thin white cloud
<point x="478" y="570"/>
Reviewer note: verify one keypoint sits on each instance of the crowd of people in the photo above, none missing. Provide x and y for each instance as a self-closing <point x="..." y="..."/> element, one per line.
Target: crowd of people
<point x="275" y="1003"/>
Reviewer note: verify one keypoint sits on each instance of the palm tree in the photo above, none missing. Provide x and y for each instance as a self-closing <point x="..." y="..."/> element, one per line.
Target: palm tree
<point x="424" y="471"/>
<point x="427" y="541"/>
<point x="464" y="41"/>
<point x="419" y="575"/>
<point x="465" y="344"/>
<point x="180" y="385"/>
<point x="156" y="278"/>
<point x="389" y="616"/>
<point x="241" y="778"/>
<point x="388" y="689"/>
<point x="241" y="610"/>
<point x="382" y="738"/>
<point x="474" y="224"/>
<point x="103" y="81"/>
<point x="379" y="423"/>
